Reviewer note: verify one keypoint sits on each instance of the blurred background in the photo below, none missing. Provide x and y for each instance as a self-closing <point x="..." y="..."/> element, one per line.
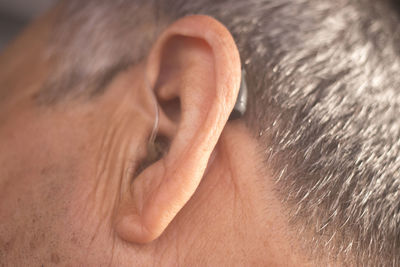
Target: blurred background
<point x="15" y="14"/>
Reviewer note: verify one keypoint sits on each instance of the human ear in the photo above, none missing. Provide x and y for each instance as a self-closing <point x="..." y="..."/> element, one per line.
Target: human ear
<point x="194" y="68"/>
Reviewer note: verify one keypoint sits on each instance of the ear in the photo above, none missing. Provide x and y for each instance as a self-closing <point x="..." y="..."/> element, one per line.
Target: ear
<point x="195" y="70"/>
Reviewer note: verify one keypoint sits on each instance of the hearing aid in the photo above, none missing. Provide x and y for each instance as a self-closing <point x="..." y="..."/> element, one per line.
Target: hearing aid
<point x="238" y="111"/>
<point x="241" y="102"/>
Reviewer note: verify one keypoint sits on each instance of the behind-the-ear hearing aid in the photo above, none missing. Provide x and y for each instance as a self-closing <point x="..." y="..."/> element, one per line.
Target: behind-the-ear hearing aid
<point x="238" y="111"/>
<point x="241" y="103"/>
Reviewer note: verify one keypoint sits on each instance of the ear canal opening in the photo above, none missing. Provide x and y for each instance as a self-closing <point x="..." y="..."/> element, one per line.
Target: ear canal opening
<point x="155" y="151"/>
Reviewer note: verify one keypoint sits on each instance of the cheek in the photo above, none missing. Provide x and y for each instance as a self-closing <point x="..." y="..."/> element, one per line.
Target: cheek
<point x="36" y="185"/>
<point x="40" y="215"/>
<point x="33" y="206"/>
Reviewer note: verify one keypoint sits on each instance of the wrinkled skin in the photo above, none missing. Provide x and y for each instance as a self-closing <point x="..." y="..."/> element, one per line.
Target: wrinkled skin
<point x="64" y="170"/>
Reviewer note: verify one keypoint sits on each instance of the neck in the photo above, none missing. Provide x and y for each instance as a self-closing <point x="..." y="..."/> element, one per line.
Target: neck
<point x="238" y="191"/>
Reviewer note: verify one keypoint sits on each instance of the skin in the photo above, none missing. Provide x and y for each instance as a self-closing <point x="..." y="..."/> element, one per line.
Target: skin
<point x="70" y="194"/>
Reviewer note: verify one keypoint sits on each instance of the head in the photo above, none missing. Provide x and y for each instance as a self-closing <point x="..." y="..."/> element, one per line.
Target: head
<point x="309" y="175"/>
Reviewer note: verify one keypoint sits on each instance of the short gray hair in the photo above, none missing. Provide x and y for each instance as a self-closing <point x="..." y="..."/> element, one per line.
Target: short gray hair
<point x="324" y="99"/>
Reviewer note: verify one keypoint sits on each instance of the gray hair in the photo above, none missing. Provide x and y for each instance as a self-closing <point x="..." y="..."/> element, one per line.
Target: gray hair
<point x="324" y="99"/>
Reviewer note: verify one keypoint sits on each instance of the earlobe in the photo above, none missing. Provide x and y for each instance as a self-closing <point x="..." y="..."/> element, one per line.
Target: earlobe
<point x="194" y="69"/>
